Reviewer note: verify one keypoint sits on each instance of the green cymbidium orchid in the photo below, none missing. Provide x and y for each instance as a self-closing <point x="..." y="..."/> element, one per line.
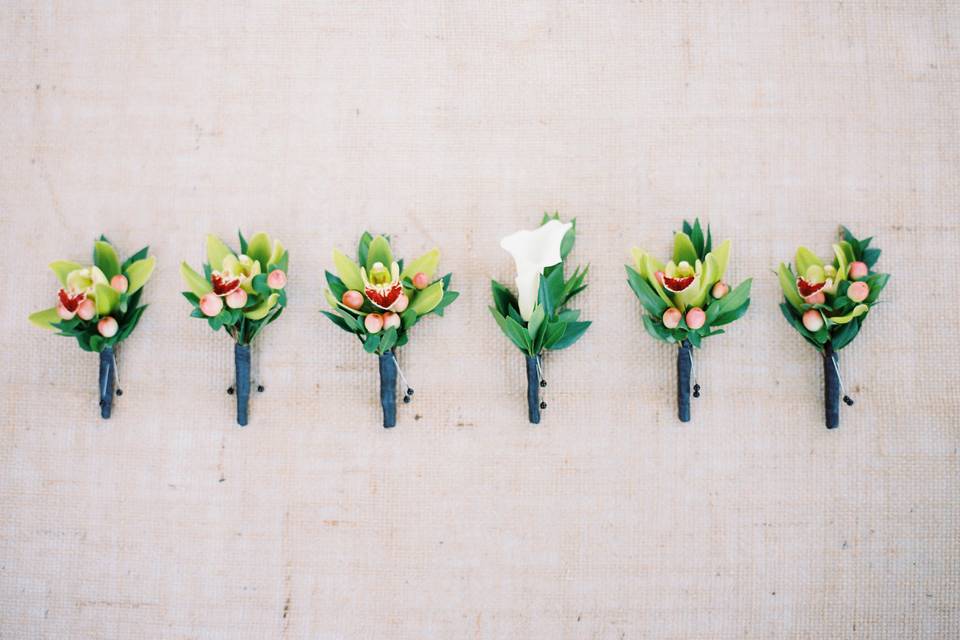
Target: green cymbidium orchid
<point x="98" y="304"/>
<point x="243" y="291"/>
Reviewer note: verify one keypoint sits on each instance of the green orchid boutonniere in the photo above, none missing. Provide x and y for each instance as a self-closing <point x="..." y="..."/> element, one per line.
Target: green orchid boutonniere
<point x="537" y="318"/>
<point x="827" y="302"/>
<point x="99" y="305"/>
<point x="240" y="293"/>
<point x="379" y="299"/>
<point x="687" y="299"/>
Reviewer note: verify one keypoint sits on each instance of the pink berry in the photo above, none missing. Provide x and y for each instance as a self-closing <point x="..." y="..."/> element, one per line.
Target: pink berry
<point x="353" y="299"/>
<point x="119" y="283"/>
<point x="858" y="270"/>
<point x="107" y="327"/>
<point x="64" y="313"/>
<point x="858" y="291"/>
<point x="420" y="280"/>
<point x="237" y="298"/>
<point x="391" y="320"/>
<point x="816" y="298"/>
<point x="401" y="304"/>
<point x="812" y="320"/>
<point x="373" y="323"/>
<point x="671" y="318"/>
<point x="211" y="305"/>
<point x="87" y="310"/>
<point x="696" y="318"/>
<point x="719" y="290"/>
<point x="277" y="279"/>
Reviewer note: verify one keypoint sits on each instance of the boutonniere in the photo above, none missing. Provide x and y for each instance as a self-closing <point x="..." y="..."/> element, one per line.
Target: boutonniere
<point x="99" y="305"/>
<point x="687" y="300"/>
<point x="379" y="299"/>
<point x="240" y="293"/>
<point x="537" y="318"/>
<point x="827" y="302"/>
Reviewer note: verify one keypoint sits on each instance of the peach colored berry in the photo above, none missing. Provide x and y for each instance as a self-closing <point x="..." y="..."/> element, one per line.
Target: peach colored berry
<point x="119" y="283"/>
<point x="391" y="320"/>
<point x="671" y="318"/>
<point x="720" y="289"/>
<point x="696" y="318"/>
<point x="107" y="327"/>
<point x="812" y="320"/>
<point x="211" y="304"/>
<point x="87" y="310"/>
<point x="353" y="299"/>
<point x="858" y="291"/>
<point x="858" y="270"/>
<point x="420" y="280"/>
<point x="373" y="323"/>
<point x="277" y="279"/>
<point x="237" y="298"/>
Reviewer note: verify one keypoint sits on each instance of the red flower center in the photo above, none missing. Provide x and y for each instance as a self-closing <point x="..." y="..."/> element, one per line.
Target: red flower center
<point x="676" y="285"/>
<point x="223" y="283"/>
<point x="807" y="289"/>
<point x="384" y="297"/>
<point x="68" y="302"/>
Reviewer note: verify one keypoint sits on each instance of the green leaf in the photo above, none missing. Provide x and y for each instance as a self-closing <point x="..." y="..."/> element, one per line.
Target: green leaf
<point x="876" y="282"/>
<point x="371" y="343"/>
<point x="105" y="257"/>
<point x="502" y="298"/>
<point x="199" y="285"/>
<point x="569" y="238"/>
<point x="536" y="319"/>
<point x="408" y="318"/>
<point x="571" y="334"/>
<point x="656" y="329"/>
<point x="107" y="299"/>
<point x="130" y="324"/>
<point x="244" y="246"/>
<point x="731" y="315"/>
<point x="870" y="257"/>
<point x="513" y="330"/>
<point x="364" y="247"/>
<point x="388" y="340"/>
<point x="845" y="335"/>
<point x="797" y="324"/>
<point x="648" y="297"/>
<point x="139" y="255"/>
<point x="379" y="251"/>
<point x="552" y="333"/>
<point x="736" y="298"/>
<point x="550" y="294"/>
<point x="348" y="270"/>
<point x="336" y="285"/>
<point x="45" y="319"/>
<point x="259" y="284"/>
<point x="447" y="300"/>
<point x="139" y="273"/>
<point x="696" y="238"/>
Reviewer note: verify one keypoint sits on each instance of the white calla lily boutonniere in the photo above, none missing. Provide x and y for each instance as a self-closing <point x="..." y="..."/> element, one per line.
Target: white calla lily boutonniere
<point x="536" y="319"/>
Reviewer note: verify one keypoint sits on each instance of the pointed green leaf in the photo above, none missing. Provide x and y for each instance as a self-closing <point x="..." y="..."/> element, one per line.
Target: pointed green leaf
<point x="573" y="332"/>
<point x="654" y="305"/>
<point x="536" y="319"/>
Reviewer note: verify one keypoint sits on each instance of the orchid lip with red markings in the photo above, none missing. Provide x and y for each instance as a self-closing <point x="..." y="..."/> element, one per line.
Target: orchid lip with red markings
<point x="70" y="302"/>
<point x="676" y="285"/>
<point x="384" y="297"/>
<point x="807" y="289"/>
<point x="224" y="283"/>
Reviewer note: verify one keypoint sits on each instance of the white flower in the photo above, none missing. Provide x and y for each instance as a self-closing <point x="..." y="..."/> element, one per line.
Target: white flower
<point x="534" y="251"/>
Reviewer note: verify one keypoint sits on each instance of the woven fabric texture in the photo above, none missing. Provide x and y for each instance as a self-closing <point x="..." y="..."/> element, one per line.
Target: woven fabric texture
<point x="452" y="124"/>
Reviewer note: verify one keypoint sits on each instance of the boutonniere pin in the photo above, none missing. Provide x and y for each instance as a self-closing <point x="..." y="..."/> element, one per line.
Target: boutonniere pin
<point x="99" y="305"/>
<point x="828" y="302"/>
<point x="687" y="299"/>
<point x="240" y="293"/>
<point x="537" y="318"/>
<point x="379" y="299"/>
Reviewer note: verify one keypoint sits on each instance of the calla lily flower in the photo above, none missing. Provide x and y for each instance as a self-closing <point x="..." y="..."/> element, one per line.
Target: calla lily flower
<point x="534" y="251"/>
<point x="382" y="287"/>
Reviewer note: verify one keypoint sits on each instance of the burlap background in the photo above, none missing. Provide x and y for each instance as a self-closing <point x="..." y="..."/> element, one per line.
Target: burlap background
<point x="451" y="124"/>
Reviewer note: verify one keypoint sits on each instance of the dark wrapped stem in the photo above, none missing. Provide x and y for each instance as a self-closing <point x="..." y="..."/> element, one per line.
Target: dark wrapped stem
<point x="241" y="357"/>
<point x="388" y="389"/>
<point x="533" y="389"/>
<point x="108" y="375"/>
<point x="684" y="367"/>
<point x="831" y="387"/>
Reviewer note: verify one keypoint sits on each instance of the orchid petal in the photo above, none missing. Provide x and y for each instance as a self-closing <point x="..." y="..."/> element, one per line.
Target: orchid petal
<point x="379" y="251"/>
<point x="138" y="273"/>
<point x="260" y="311"/>
<point x="427" y="263"/>
<point x="46" y="318"/>
<point x="63" y="268"/>
<point x="532" y="252"/>
<point x="348" y="270"/>
<point x="788" y="283"/>
<point x="106" y="298"/>
<point x="858" y="311"/>
<point x="842" y="264"/>
<point x="216" y="252"/>
<point x="105" y="257"/>
<point x="277" y="254"/>
<point x="258" y="248"/>
<point x="199" y="285"/>
<point x="426" y="301"/>
<point x="804" y="259"/>
<point x="683" y="248"/>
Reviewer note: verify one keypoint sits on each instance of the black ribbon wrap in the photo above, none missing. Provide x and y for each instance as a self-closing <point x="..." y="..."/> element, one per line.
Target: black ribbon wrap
<point x="684" y="367"/>
<point x="831" y="386"/>
<point x="108" y="375"/>
<point x="533" y="389"/>
<point x="388" y="389"/>
<point x="241" y="358"/>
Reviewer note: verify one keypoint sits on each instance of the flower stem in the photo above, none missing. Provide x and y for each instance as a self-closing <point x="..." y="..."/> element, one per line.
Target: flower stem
<point x="831" y="387"/>
<point x="241" y="358"/>
<point x="533" y="390"/>
<point x="108" y="375"/>
<point x="684" y="366"/>
<point x="388" y="389"/>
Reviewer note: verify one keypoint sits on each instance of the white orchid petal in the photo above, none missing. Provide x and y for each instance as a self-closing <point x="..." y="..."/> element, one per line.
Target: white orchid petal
<point x="534" y="251"/>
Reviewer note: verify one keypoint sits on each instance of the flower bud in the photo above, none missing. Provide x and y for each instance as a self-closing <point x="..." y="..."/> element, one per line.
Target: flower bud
<point x="812" y="320"/>
<point x="391" y="320"/>
<point x="858" y="291"/>
<point x="696" y="318"/>
<point x="211" y="304"/>
<point x="237" y="298"/>
<point x="420" y="280"/>
<point x="87" y="310"/>
<point x="277" y="279"/>
<point x="719" y="290"/>
<point x="671" y="318"/>
<point x="119" y="283"/>
<point x="401" y="304"/>
<point x="107" y="327"/>
<point x="858" y="270"/>
<point x="353" y="299"/>
<point x="373" y="323"/>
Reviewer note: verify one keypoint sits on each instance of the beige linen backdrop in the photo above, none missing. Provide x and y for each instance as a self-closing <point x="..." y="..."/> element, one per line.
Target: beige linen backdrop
<point x="451" y="124"/>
